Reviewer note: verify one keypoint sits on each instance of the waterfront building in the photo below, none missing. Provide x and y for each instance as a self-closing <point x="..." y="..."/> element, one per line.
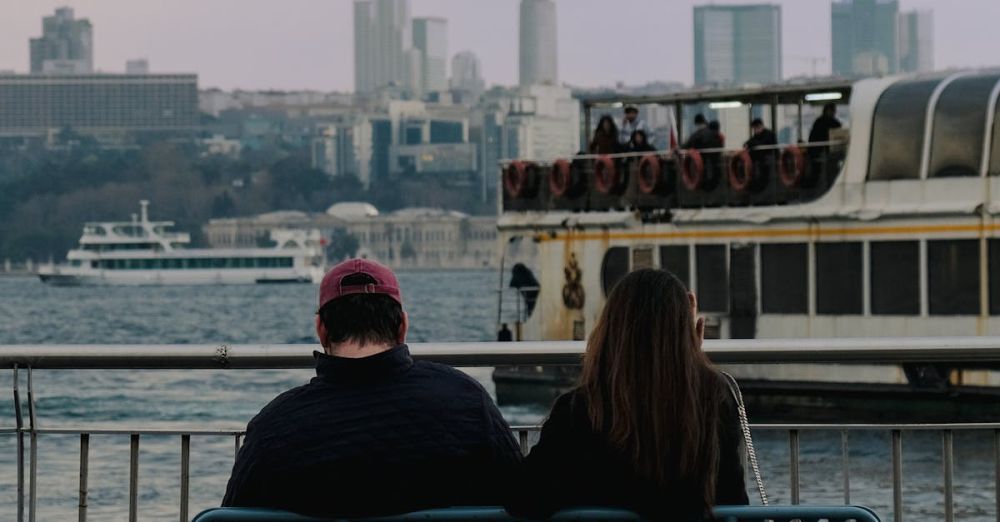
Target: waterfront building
<point x="865" y="37"/>
<point x="113" y="108"/>
<point x="538" y="49"/>
<point x="737" y="44"/>
<point x="407" y="238"/>
<point x="65" y="47"/>
<point x="916" y="41"/>
<point x="430" y="40"/>
<point x="542" y="121"/>
<point x="383" y="43"/>
<point x="466" y="74"/>
<point x="137" y="66"/>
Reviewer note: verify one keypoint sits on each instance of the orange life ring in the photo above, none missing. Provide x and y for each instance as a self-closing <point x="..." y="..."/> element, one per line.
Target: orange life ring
<point x="607" y="179"/>
<point x="520" y="179"/>
<point x="692" y="169"/>
<point x="650" y="174"/>
<point x="792" y="166"/>
<point x="740" y="171"/>
<point x="560" y="178"/>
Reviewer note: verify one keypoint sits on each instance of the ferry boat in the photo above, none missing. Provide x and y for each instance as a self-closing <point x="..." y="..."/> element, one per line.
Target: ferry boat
<point x="888" y="229"/>
<point x="144" y="252"/>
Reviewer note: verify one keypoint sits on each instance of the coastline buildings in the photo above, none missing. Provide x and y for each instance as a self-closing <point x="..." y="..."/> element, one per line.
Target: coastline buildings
<point x="871" y="37"/>
<point x="65" y="47"/>
<point x="466" y="74"/>
<point x="407" y="238"/>
<point x="383" y="45"/>
<point x="737" y="44"/>
<point x="538" y="49"/>
<point x="114" y="109"/>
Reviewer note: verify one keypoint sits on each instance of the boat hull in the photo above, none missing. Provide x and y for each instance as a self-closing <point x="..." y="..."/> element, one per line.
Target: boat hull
<point x="187" y="278"/>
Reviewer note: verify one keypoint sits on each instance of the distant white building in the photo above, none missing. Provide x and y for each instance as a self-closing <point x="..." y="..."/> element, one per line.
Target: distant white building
<point x="383" y="42"/>
<point x="538" y="50"/>
<point x="65" y="47"/>
<point x="221" y="146"/>
<point x="543" y="123"/>
<point x="430" y="40"/>
<point x="137" y="66"/>
<point x="916" y="41"/>
<point x="466" y="73"/>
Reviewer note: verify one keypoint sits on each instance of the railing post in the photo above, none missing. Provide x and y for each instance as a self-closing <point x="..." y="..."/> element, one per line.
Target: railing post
<point x="845" y="451"/>
<point x="948" y="463"/>
<point x="185" y="475"/>
<point x="793" y="456"/>
<point x="897" y="475"/>
<point x="996" y="470"/>
<point x="84" y="471"/>
<point x="33" y="471"/>
<point x="19" y="423"/>
<point x="133" y="479"/>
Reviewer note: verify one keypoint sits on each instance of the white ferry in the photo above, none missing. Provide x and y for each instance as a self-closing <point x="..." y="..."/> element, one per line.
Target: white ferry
<point x="144" y="252"/>
<point x="889" y="229"/>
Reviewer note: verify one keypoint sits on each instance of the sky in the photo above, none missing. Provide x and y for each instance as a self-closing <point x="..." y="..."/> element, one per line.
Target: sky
<point x="308" y="44"/>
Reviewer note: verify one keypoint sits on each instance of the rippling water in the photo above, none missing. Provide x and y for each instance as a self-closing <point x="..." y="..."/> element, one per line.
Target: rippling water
<point x="443" y="306"/>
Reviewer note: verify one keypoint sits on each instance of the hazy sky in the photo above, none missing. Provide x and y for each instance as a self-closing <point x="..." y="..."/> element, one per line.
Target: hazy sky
<point x="307" y="44"/>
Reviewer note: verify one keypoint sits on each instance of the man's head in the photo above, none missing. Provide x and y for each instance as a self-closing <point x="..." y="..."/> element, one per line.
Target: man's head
<point x="757" y="125"/>
<point x="631" y="113"/>
<point x="699" y="120"/>
<point x="830" y="110"/>
<point x="360" y="310"/>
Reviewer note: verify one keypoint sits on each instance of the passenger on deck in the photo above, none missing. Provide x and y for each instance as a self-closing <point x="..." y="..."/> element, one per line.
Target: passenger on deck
<point x="504" y="335"/>
<point x="820" y="131"/>
<point x="652" y="426"/>
<point x="375" y="432"/>
<point x="716" y="129"/>
<point x="630" y="124"/>
<point x="640" y="142"/>
<point x="703" y="137"/>
<point x="762" y="137"/>
<point x="605" y="137"/>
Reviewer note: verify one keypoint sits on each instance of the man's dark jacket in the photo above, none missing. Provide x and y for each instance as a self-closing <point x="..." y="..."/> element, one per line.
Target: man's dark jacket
<point x="376" y="436"/>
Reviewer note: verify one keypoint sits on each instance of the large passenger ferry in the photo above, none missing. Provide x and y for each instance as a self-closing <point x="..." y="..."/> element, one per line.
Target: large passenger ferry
<point x="888" y="229"/>
<point x="144" y="252"/>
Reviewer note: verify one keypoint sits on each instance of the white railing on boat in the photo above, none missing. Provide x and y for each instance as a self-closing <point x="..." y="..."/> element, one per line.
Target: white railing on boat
<point x="24" y="359"/>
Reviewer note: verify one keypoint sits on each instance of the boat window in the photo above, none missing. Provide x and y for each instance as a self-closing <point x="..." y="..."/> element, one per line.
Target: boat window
<point x="953" y="277"/>
<point x="898" y="130"/>
<point x="677" y="259"/>
<point x="784" y="278"/>
<point x="713" y="278"/>
<point x="895" y="278"/>
<point x="994" y="282"/>
<point x="839" y="279"/>
<point x="642" y="258"/>
<point x="959" y="124"/>
<point x="613" y="268"/>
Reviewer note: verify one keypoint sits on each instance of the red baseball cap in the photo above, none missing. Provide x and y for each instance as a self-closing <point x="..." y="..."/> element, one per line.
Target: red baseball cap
<point x="331" y="287"/>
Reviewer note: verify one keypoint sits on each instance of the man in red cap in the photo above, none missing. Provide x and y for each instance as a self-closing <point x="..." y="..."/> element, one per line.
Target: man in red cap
<point x="375" y="432"/>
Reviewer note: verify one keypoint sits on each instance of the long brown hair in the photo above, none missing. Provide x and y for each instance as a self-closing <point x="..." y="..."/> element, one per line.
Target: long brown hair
<point x="649" y="388"/>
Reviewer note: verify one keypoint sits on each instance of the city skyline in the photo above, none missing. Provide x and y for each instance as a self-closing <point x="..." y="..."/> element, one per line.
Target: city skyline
<point x="311" y="47"/>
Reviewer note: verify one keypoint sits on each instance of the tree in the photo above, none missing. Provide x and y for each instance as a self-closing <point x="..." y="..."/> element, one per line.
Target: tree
<point x="343" y="245"/>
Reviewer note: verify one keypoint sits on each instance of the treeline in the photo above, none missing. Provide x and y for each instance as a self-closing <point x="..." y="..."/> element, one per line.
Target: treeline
<point x="46" y="196"/>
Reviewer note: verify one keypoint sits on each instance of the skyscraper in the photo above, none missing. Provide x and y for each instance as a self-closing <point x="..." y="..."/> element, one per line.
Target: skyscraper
<point x="66" y="45"/>
<point x="466" y="74"/>
<point x="382" y="44"/>
<point x="737" y="44"/>
<point x="916" y="41"/>
<point x="430" y="39"/>
<point x="864" y="37"/>
<point x="538" y="43"/>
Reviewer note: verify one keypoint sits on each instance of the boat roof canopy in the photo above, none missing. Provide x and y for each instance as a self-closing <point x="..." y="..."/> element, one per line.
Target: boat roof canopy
<point x="782" y="94"/>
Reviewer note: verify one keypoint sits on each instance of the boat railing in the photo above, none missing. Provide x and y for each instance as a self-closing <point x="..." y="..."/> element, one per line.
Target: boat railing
<point x="23" y="360"/>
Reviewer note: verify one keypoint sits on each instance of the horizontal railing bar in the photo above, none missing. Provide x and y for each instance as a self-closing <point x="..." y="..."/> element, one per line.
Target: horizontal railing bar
<point x="888" y="350"/>
<point x="959" y="426"/>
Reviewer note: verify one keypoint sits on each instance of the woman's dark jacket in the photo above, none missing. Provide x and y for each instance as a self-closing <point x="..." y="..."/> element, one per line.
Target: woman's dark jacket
<point x="573" y="466"/>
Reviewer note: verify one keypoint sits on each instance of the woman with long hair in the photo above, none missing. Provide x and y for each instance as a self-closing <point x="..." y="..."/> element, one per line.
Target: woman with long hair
<point x="652" y="426"/>
<point x="605" y="137"/>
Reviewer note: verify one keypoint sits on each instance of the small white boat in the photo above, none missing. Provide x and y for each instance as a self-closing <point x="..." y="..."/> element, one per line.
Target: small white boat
<point x="144" y="252"/>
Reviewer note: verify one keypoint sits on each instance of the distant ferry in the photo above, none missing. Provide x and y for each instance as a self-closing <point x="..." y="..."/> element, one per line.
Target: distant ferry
<point x="144" y="252"/>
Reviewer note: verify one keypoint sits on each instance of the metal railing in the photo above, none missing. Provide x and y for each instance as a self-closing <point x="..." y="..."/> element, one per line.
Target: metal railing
<point x="27" y="358"/>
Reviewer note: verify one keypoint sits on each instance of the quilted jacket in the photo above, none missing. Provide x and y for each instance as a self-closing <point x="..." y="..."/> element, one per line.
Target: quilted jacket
<point x="376" y="436"/>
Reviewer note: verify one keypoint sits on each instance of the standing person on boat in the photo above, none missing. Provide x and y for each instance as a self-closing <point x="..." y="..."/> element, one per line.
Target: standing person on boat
<point x="652" y="426"/>
<point x="605" y="137"/>
<point x="504" y="335"/>
<point x="640" y="142"/>
<point x="820" y="131"/>
<point x="703" y="137"/>
<point x="375" y="432"/>
<point x="762" y="137"/>
<point x="630" y="124"/>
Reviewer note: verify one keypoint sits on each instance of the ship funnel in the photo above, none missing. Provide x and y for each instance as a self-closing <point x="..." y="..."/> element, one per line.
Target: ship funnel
<point x="144" y="204"/>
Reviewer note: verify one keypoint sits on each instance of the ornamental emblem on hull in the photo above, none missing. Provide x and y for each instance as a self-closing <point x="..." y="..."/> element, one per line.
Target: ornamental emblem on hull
<point x="572" y="292"/>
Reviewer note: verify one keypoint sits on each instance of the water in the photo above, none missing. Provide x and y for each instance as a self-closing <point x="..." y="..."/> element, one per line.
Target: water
<point x="443" y="306"/>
